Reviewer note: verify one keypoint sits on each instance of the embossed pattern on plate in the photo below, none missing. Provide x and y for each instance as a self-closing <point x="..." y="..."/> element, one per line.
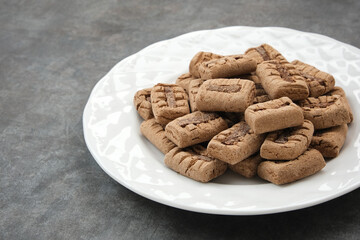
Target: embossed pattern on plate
<point x="111" y="124"/>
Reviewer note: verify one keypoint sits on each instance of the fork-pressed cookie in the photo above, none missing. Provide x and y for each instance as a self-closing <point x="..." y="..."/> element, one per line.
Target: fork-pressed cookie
<point x="184" y="81"/>
<point x="193" y="91"/>
<point x="247" y="167"/>
<point x="194" y="162"/>
<point x="264" y="52"/>
<point x="226" y="95"/>
<point x="235" y="144"/>
<point x="273" y="115"/>
<point x="194" y="128"/>
<point x="288" y="143"/>
<point x="142" y="102"/>
<point x="200" y="58"/>
<point x="226" y="67"/>
<point x="155" y="133"/>
<point x="339" y="91"/>
<point x="282" y="172"/>
<point x="330" y="141"/>
<point x="325" y="111"/>
<point x="169" y="101"/>
<point x="282" y="80"/>
<point x="318" y="82"/>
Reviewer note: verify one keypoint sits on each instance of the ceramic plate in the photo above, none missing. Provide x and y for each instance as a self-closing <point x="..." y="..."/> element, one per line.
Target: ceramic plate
<point x="111" y="124"/>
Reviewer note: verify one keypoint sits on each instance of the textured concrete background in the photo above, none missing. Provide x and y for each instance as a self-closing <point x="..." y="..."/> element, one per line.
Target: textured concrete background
<point x="53" y="52"/>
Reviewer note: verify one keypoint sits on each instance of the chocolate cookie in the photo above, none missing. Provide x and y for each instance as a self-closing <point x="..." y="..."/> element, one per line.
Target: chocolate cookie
<point x="318" y="82"/>
<point x="142" y="102"/>
<point x="247" y="167"/>
<point x="273" y="115"/>
<point x="235" y="144"/>
<point x="195" y="163"/>
<point x="330" y="141"/>
<point x="194" y="128"/>
<point x="226" y="67"/>
<point x="193" y="91"/>
<point x="198" y="59"/>
<point x="169" y="101"/>
<point x="325" y="111"/>
<point x="341" y="92"/>
<point x="281" y="172"/>
<point x="155" y="133"/>
<point x="265" y="52"/>
<point x="288" y="143"/>
<point x="226" y="95"/>
<point x="282" y="80"/>
<point x="184" y="81"/>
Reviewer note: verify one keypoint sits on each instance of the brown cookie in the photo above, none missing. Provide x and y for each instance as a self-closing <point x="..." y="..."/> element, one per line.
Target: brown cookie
<point x="273" y="115"/>
<point x="226" y="95"/>
<point x="264" y="52"/>
<point x="155" y="133"/>
<point x="193" y="90"/>
<point x="226" y="67"/>
<point x="288" y="143"/>
<point x="247" y="167"/>
<point x="330" y="141"/>
<point x="142" y="102"/>
<point x="169" y="101"/>
<point x="341" y="92"/>
<point x="281" y="172"/>
<point x="235" y="144"/>
<point x="198" y="59"/>
<point x="325" y="111"/>
<point x="194" y="128"/>
<point x="318" y="82"/>
<point x="282" y="80"/>
<point x="184" y="81"/>
<point x="195" y="163"/>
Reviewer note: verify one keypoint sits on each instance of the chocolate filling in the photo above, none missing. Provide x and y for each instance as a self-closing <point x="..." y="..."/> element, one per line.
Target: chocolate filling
<point x="284" y="136"/>
<point x="224" y="88"/>
<point x="310" y="78"/>
<point x="200" y="118"/>
<point x="170" y="97"/>
<point x="280" y="106"/>
<point x="237" y="135"/>
<point x="284" y="74"/>
<point x="261" y="50"/>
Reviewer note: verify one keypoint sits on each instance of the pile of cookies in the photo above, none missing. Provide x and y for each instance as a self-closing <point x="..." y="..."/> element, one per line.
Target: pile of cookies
<point x="255" y="113"/>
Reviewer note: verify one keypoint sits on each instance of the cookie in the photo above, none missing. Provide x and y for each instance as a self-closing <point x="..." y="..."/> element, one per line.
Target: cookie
<point x="288" y="143"/>
<point x="155" y="133"/>
<point x="325" y="111"/>
<point x="195" y="163"/>
<point x="200" y="58"/>
<point x="264" y="52"/>
<point x="318" y="82"/>
<point x="184" y="81"/>
<point x="330" y="141"/>
<point x="226" y="67"/>
<point x="169" y="101"/>
<point x="282" y="80"/>
<point x="194" y="128"/>
<point x="235" y="144"/>
<point x="142" y="102"/>
<point x="226" y="95"/>
<point x="247" y="167"/>
<point x="193" y="90"/>
<point x="341" y="92"/>
<point x="273" y="115"/>
<point x="282" y="172"/>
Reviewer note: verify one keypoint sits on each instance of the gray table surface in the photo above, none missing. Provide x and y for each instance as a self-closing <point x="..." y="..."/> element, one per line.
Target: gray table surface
<point x="52" y="53"/>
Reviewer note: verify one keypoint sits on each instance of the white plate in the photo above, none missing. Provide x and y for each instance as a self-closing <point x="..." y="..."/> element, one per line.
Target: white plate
<point x="111" y="124"/>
